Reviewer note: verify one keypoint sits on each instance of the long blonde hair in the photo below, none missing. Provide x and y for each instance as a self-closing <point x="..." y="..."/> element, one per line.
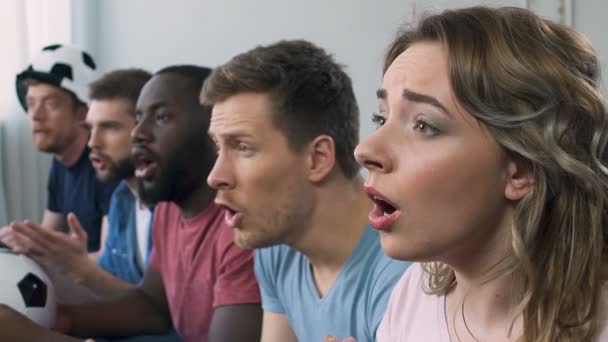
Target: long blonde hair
<point x="535" y="85"/>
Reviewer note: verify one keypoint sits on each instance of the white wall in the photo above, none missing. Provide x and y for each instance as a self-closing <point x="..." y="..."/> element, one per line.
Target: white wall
<point x="156" y="33"/>
<point x="589" y="17"/>
<point x="153" y="34"/>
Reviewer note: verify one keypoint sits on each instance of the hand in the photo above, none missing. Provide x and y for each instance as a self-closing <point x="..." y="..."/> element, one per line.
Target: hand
<point x="330" y="338"/>
<point x="16" y="327"/>
<point x="7" y="237"/>
<point x="53" y="249"/>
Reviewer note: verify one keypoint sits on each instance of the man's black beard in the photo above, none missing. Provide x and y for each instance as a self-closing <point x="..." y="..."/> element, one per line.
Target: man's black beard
<point x="179" y="176"/>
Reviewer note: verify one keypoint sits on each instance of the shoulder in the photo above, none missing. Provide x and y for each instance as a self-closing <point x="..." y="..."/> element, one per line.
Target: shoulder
<point x="123" y="193"/>
<point x="164" y="213"/>
<point x="279" y="264"/>
<point x="412" y="314"/>
<point x="277" y="256"/>
<point x="409" y="289"/>
<point x="57" y="168"/>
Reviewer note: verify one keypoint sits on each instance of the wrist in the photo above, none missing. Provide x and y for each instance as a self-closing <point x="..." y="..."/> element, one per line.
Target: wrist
<point x="87" y="272"/>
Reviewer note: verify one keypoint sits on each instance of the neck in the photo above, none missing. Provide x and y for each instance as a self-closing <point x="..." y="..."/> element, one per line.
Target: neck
<point x="72" y="153"/>
<point x="485" y="312"/>
<point x="488" y="307"/>
<point x="197" y="201"/>
<point x="132" y="185"/>
<point x="335" y="229"/>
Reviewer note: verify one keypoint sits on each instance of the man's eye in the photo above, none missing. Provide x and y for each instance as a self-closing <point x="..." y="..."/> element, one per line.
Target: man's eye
<point x="163" y="117"/>
<point x="52" y="104"/>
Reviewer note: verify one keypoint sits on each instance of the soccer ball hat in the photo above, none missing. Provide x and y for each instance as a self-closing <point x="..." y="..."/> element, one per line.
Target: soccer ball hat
<point x="63" y="66"/>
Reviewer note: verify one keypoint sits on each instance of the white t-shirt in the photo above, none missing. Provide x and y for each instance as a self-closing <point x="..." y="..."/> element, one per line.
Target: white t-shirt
<point x="412" y="315"/>
<point x="143" y="215"/>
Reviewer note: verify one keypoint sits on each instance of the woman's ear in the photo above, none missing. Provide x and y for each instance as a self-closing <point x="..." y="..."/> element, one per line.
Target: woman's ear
<point x="520" y="180"/>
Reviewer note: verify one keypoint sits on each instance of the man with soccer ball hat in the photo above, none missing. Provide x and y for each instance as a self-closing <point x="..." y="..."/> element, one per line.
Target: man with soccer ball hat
<point x="53" y="90"/>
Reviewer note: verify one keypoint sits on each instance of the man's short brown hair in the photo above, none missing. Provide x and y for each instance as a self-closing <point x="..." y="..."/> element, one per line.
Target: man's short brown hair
<point x="310" y="92"/>
<point x="123" y="83"/>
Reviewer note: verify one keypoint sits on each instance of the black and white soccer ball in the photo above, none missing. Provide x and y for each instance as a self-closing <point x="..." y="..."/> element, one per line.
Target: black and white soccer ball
<point x="64" y="66"/>
<point x="26" y="288"/>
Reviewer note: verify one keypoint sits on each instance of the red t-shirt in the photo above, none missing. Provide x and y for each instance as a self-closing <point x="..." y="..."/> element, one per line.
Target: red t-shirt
<point x="201" y="267"/>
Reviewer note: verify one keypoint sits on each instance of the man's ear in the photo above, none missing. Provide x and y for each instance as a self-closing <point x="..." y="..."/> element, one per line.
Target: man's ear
<point x="81" y="112"/>
<point x="520" y="180"/>
<point x="320" y="158"/>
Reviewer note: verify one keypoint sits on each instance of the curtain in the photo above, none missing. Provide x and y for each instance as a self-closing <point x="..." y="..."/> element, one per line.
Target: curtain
<point x="25" y="27"/>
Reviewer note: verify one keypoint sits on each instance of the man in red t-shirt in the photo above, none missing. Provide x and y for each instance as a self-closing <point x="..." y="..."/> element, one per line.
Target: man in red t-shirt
<point x="198" y="278"/>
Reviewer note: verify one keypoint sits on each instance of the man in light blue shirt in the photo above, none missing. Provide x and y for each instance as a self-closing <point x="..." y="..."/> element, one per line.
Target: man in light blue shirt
<point x="285" y="121"/>
<point x="353" y="306"/>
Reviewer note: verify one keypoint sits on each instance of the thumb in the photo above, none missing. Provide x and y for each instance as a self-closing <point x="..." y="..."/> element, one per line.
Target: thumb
<point x="76" y="228"/>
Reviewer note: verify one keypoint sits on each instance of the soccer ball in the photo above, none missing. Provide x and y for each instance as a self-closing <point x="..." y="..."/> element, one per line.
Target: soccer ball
<point x="64" y="66"/>
<point x="26" y="288"/>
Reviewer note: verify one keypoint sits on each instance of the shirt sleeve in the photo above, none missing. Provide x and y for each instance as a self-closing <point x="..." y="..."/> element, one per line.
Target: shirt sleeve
<point x="236" y="283"/>
<point x="53" y="201"/>
<point x="263" y="272"/>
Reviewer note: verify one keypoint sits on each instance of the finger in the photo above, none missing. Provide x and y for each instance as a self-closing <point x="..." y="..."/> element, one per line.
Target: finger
<point x="51" y="240"/>
<point x="76" y="227"/>
<point x="349" y="339"/>
<point x="32" y="240"/>
<point x="32" y="224"/>
<point x="5" y="231"/>
<point x="329" y="338"/>
<point x="24" y="245"/>
<point x="7" y="237"/>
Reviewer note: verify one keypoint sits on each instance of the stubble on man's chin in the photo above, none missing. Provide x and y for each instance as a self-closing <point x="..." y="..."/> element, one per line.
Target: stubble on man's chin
<point x="122" y="170"/>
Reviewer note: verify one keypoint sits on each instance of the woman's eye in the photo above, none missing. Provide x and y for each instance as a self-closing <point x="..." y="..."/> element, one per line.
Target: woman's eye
<point x="378" y="119"/>
<point x="425" y="128"/>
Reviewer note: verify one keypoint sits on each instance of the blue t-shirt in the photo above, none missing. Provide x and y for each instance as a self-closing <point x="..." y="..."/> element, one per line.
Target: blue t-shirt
<point x="353" y="306"/>
<point x="76" y="189"/>
<point x="120" y="253"/>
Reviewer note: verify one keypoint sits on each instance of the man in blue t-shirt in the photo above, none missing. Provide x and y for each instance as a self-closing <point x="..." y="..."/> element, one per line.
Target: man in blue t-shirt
<point x="285" y="121"/>
<point x="53" y="91"/>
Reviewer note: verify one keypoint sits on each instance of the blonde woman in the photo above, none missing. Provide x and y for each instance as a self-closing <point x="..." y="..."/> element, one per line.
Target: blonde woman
<point x="489" y="167"/>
